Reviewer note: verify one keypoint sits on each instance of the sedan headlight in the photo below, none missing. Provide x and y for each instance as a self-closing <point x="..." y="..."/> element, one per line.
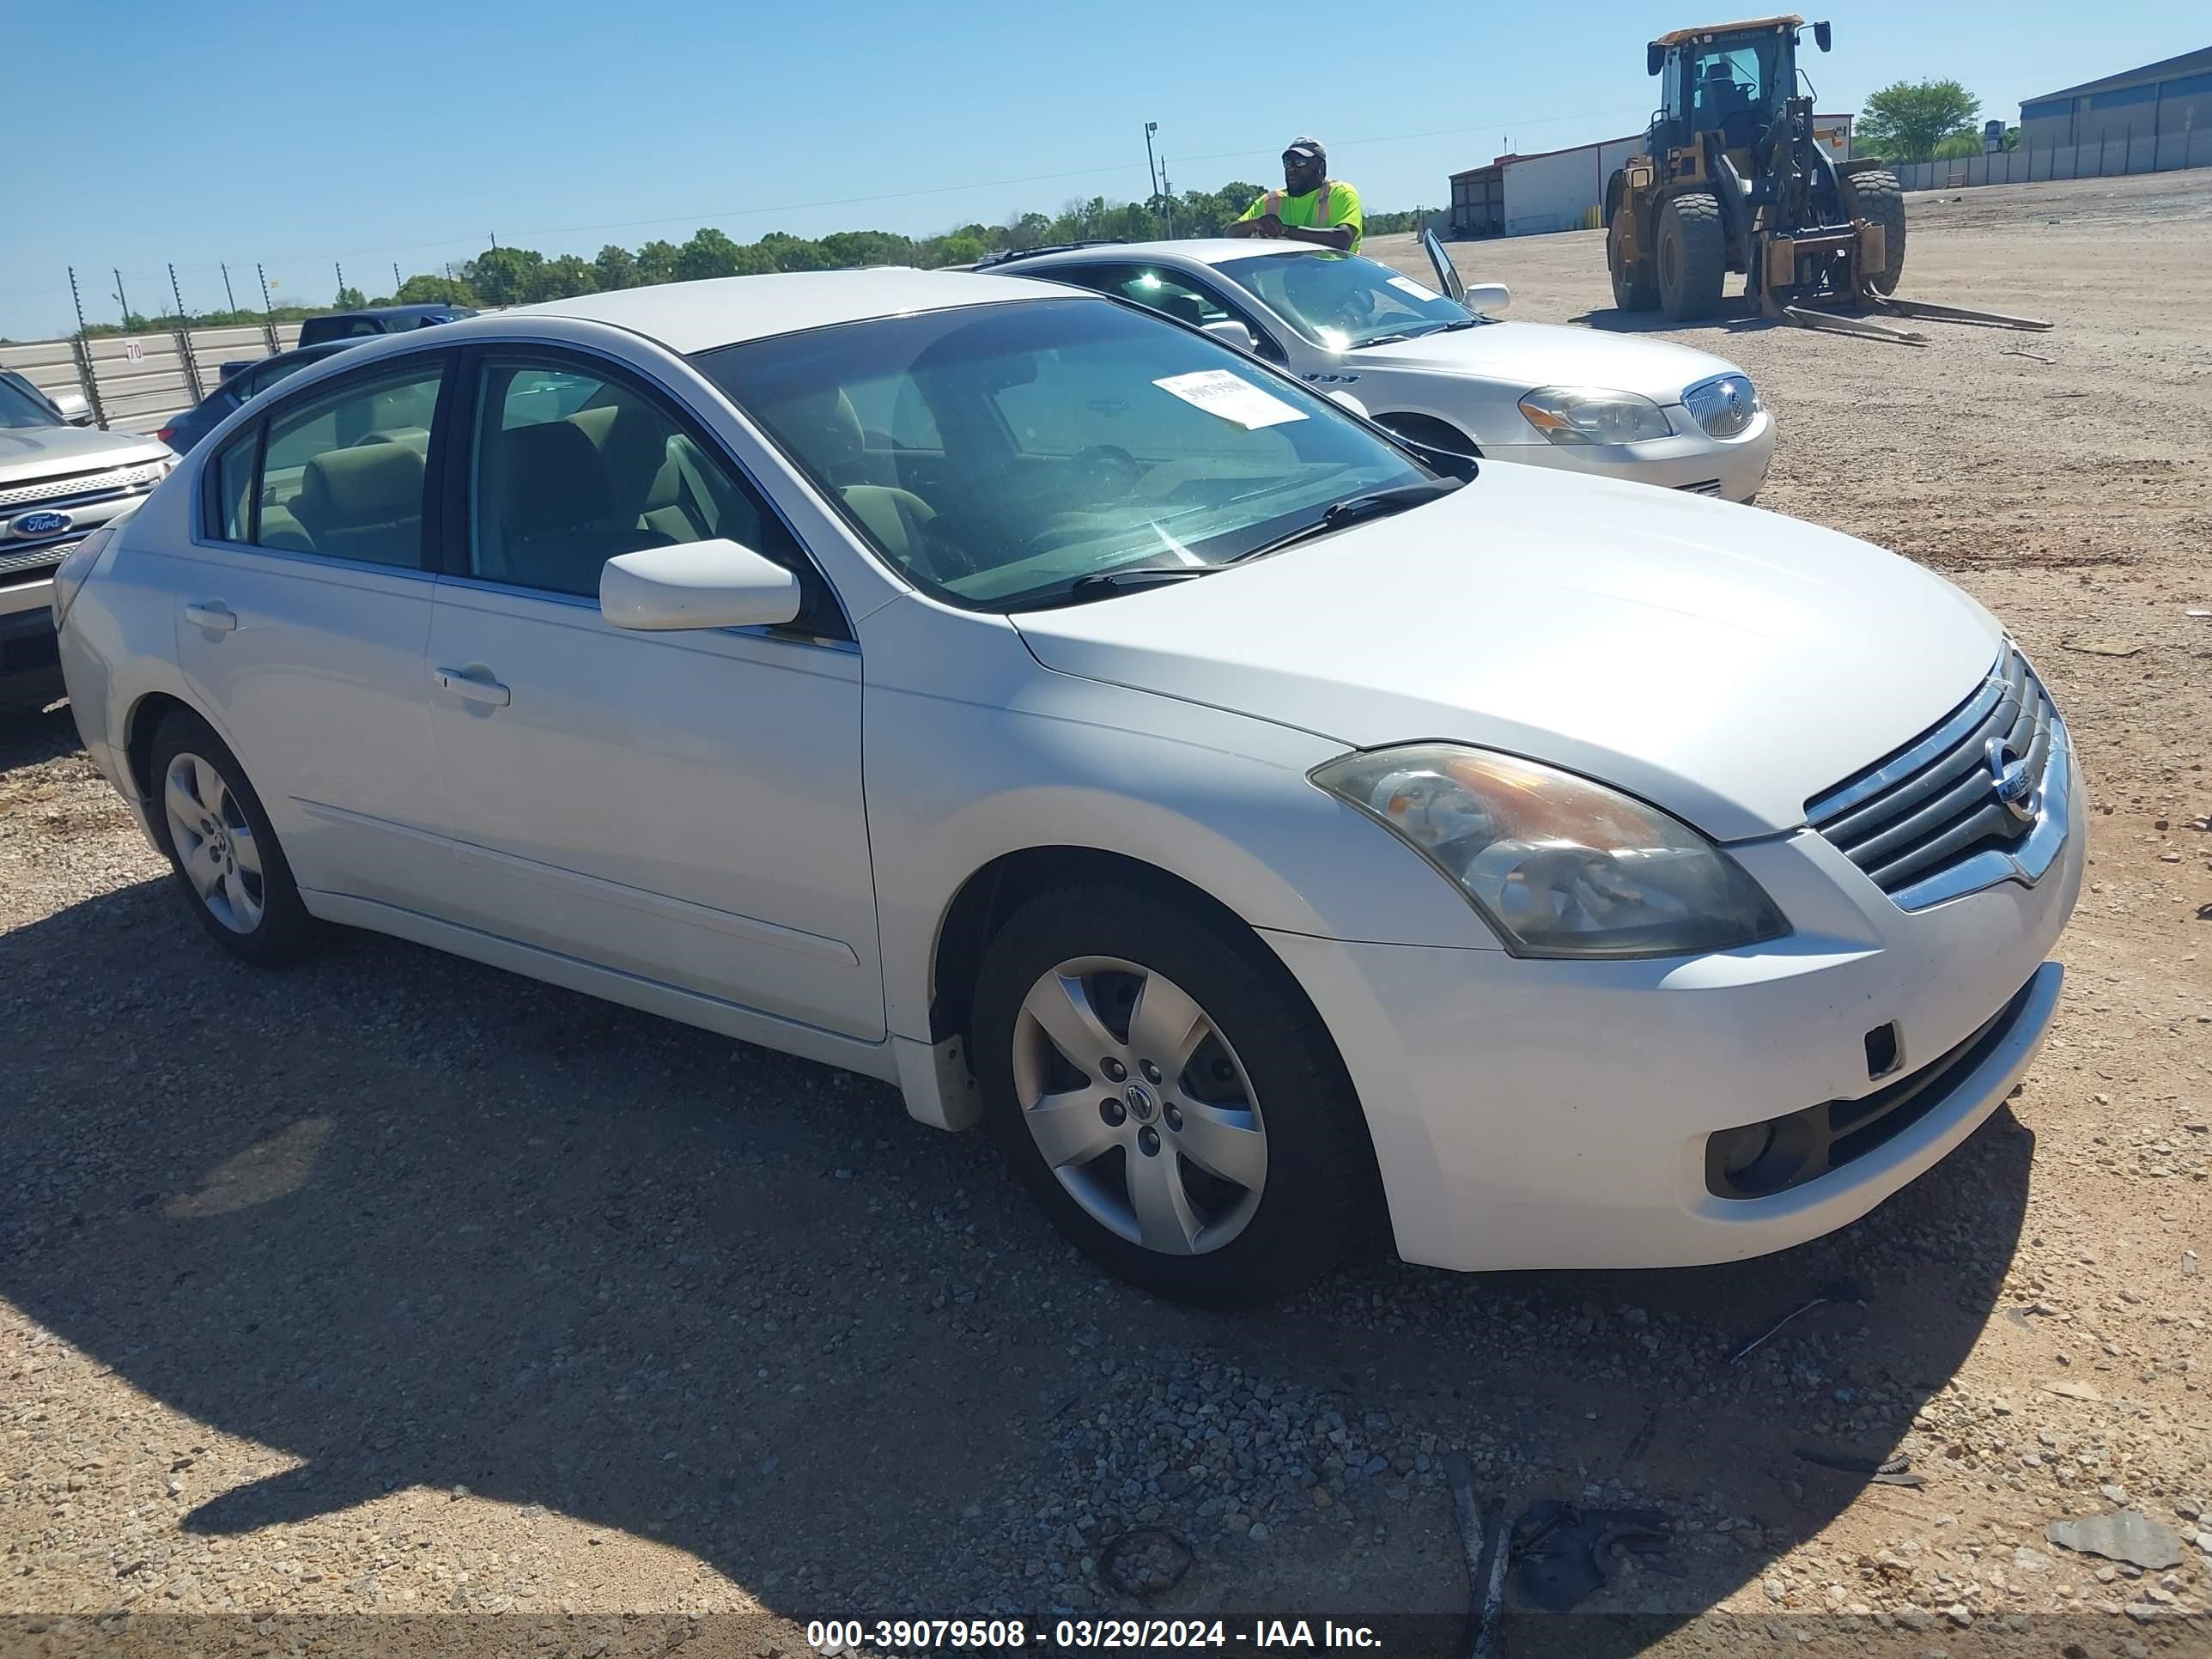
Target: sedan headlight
<point x="1559" y="865"/>
<point x="1590" y="415"/>
<point x="1723" y="406"/>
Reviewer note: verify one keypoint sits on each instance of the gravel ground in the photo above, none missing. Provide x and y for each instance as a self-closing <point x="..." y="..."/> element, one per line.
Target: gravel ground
<point x="398" y="1285"/>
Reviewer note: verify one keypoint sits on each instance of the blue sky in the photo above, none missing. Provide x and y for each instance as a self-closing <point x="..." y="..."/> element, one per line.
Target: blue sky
<point x="229" y="129"/>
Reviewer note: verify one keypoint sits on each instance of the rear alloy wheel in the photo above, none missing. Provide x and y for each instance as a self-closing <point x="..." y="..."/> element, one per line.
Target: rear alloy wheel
<point x="1693" y="255"/>
<point x="220" y="846"/>
<point x="1168" y="1096"/>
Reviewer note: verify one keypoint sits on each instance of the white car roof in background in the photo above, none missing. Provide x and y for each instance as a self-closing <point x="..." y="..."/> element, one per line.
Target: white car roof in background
<point x="1205" y="250"/>
<point x="688" y="316"/>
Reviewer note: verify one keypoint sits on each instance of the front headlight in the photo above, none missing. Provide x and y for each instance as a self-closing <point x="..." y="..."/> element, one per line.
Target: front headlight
<point x="1559" y="865"/>
<point x="1590" y="415"/>
<point x="1723" y="406"/>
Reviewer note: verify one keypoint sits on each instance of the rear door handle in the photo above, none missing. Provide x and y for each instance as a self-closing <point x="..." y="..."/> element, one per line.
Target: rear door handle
<point x="472" y="689"/>
<point x="214" y="613"/>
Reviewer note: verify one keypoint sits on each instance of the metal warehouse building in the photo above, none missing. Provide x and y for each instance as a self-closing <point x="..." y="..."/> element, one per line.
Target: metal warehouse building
<point x="2156" y="100"/>
<point x="1565" y="189"/>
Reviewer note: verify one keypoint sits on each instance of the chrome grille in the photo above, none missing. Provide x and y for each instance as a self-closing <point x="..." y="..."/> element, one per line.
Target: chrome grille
<point x="14" y="564"/>
<point x="82" y="486"/>
<point x="1704" y="486"/>
<point x="1971" y="785"/>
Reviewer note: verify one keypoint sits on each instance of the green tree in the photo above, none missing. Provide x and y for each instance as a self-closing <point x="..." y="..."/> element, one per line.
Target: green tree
<point x="350" y="299"/>
<point x="616" y="268"/>
<point x="559" y="279"/>
<point x="426" y="290"/>
<point x="1905" y="121"/>
<point x="784" y="252"/>
<point x="657" y="261"/>
<point x="709" y="253"/>
<point x="851" y="249"/>
<point x="504" y="274"/>
<point x="959" y="250"/>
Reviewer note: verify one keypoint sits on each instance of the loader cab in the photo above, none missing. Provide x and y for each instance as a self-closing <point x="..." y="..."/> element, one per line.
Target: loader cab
<point x="1731" y="81"/>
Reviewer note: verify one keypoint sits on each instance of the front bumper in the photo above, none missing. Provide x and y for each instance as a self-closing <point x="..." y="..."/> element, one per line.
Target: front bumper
<point x="1546" y="1114"/>
<point x="30" y="665"/>
<point x="1733" y="469"/>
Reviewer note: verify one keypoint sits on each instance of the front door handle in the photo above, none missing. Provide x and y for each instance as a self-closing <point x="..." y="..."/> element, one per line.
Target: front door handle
<point x="214" y="613"/>
<point x="469" y="688"/>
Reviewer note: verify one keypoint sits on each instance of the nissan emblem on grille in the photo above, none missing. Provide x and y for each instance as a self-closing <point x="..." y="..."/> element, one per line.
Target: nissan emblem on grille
<point x="2009" y="776"/>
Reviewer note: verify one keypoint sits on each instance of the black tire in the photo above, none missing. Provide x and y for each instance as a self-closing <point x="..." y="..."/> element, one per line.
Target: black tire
<point x="1693" y="257"/>
<point x="1319" y="1183"/>
<point x="1635" y="287"/>
<point x="282" y="930"/>
<point x="1878" y="196"/>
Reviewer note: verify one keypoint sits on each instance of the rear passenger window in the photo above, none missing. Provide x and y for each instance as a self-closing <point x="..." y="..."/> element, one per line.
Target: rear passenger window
<point x="343" y="474"/>
<point x="571" y="469"/>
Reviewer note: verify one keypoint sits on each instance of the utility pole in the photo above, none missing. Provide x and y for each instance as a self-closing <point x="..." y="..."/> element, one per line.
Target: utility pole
<point x="120" y="299"/>
<point x="1151" y="167"/>
<point x="267" y="310"/>
<point x="227" y="294"/>
<point x="1167" y="195"/>
<point x="495" y="239"/>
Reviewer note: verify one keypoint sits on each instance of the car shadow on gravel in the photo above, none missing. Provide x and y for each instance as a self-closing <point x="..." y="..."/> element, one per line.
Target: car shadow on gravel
<point x="1736" y="316"/>
<point x="408" y="1223"/>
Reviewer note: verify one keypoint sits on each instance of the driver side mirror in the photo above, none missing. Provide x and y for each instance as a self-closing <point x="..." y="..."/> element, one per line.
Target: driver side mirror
<point x="712" y="584"/>
<point x="73" y="407"/>
<point x="1820" y="36"/>
<point x="1229" y="329"/>
<point x="1654" y="57"/>
<point x="1488" y="296"/>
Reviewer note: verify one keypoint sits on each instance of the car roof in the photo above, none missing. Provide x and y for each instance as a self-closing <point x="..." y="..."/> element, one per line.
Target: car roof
<point x="1201" y="250"/>
<point x="719" y="311"/>
<point x="432" y="309"/>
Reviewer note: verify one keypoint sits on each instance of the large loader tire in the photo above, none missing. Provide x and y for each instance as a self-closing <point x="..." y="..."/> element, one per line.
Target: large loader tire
<point x="1878" y="196"/>
<point x="1634" y="288"/>
<point x="1693" y="255"/>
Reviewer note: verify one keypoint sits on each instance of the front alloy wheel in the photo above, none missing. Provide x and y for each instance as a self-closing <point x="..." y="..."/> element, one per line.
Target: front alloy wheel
<point x="1139" y="1106"/>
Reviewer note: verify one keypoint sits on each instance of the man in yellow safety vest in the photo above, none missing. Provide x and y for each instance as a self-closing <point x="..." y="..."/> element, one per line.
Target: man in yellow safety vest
<point x="1311" y="207"/>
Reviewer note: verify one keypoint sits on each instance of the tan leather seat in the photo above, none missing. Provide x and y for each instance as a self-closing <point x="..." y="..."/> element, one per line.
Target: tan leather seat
<point x="897" y="518"/>
<point x="364" y="502"/>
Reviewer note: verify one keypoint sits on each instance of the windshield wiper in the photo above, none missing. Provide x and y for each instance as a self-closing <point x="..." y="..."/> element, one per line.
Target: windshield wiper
<point x="1375" y="504"/>
<point x="1099" y="583"/>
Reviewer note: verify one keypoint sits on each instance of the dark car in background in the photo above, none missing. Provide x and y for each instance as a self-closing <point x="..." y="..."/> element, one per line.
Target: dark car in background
<point x="377" y="320"/>
<point x="250" y="380"/>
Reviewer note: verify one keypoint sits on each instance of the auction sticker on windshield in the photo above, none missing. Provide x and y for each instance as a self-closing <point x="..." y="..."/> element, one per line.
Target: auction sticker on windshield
<point x="1219" y="392"/>
<point x="1408" y="285"/>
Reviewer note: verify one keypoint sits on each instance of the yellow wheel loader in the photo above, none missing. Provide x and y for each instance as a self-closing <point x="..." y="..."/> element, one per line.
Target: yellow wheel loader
<point x="1732" y="179"/>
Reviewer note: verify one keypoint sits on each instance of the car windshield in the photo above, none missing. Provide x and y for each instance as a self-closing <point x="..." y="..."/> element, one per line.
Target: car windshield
<point x="19" y="408"/>
<point x="1343" y="302"/>
<point x="1000" y="454"/>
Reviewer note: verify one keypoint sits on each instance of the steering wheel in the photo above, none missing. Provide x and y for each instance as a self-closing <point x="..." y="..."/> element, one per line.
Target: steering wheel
<point x="1106" y="470"/>
<point x="942" y="552"/>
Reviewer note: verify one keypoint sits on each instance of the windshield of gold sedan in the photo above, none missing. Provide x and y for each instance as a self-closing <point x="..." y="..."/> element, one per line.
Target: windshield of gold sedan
<point x="1343" y="302"/>
<point x="998" y="454"/>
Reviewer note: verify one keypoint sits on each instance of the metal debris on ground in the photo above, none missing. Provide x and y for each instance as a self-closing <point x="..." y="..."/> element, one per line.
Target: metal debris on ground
<point x="1566" y="1553"/>
<point x="2015" y="351"/>
<point x="1835" y="1290"/>
<point x="2127" y="1535"/>
<point x="1883" y="1471"/>
<point x="1487" y="1550"/>
<point x="1144" y="1562"/>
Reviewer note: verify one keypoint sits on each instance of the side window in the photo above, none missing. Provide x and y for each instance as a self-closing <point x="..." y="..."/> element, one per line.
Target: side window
<point x="231" y="512"/>
<point x="1170" y="293"/>
<point x="343" y="474"/>
<point x="570" y="469"/>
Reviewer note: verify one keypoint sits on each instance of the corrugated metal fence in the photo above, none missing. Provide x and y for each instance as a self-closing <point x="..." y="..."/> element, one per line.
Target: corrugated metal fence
<point x="2166" y="153"/>
<point x="136" y="381"/>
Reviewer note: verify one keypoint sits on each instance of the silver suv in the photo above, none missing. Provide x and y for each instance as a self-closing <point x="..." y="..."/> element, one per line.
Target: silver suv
<point x="57" y="483"/>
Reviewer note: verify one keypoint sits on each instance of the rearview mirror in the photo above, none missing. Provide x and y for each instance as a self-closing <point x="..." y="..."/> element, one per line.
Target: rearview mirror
<point x="1820" y="36"/>
<point x="1655" y="57"/>
<point x="1229" y="329"/>
<point x="716" y="584"/>
<point x="1488" y="296"/>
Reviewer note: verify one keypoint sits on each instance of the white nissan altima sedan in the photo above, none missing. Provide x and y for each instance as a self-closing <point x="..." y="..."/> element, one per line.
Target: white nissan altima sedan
<point x="1439" y="369"/>
<point x="1252" y="825"/>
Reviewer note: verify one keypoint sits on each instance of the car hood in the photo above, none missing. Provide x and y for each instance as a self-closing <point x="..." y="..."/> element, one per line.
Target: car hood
<point x="1530" y="355"/>
<point x="28" y="453"/>
<point x="1725" y="662"/>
